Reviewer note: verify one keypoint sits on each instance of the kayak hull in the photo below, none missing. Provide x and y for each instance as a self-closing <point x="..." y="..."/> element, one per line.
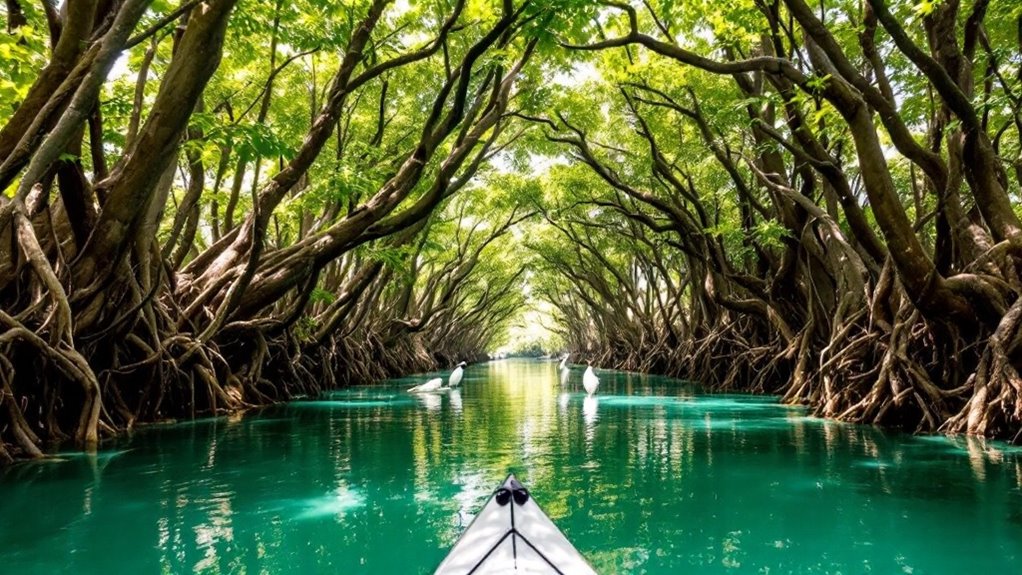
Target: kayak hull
<point x="513" y="537"/>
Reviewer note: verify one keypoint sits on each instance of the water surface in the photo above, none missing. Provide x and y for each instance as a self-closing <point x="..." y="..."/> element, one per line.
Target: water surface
<point x="648" y="477"/>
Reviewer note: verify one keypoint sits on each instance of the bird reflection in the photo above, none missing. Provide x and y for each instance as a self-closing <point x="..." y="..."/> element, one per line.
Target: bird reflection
<point x="589" y="414"/>
<point x="431" y="401"/>
<point x="589" y="408"/>
<point x="564" y="375"/>
<point x="589" y="417"/>
<point x="456" y="400"/>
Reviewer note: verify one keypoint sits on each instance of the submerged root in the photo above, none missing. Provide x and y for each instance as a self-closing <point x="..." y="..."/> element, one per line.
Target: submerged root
<point x="5" y="456"/>
<point x="994" y="408"/>
<point x="24" y="437"/>
<point x="881" y="375"/>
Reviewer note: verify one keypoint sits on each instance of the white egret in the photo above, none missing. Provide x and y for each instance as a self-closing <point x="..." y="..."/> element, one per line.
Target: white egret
<point x="564" y="361"/>
<point x="455" y="379"/>
<point x="564" y="375"/>
<point x="432" y="385"/>
<point x="590" y="381"/>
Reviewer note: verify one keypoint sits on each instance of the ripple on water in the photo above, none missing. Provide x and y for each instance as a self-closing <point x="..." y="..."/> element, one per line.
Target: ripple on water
<point x="638" y="401"/>
<point x="623" y="560"/>
<point x="353" y="404"/>
<point x="362" y="393"/>
<point x="270" y="421"/>
<point x="729" y="403"/>
<point x="873" y="464"/>
<point x="337" y="504"/>
<point x="98" y="456"/>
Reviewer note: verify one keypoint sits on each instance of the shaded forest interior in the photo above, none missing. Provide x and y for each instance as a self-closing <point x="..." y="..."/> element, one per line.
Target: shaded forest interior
<point x="211" y="205"/>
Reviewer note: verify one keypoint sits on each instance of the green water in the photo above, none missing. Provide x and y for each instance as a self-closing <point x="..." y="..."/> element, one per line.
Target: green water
<point x="647" y="478"/>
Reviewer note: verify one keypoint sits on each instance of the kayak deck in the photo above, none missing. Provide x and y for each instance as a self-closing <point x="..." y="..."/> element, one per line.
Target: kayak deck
<point x="512" y="535"/>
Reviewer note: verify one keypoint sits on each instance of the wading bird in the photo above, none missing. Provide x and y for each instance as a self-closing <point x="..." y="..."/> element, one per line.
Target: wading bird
<point x="455" y="378"/>
<point x="590" y="381"/>
<point x="431" y="385"/>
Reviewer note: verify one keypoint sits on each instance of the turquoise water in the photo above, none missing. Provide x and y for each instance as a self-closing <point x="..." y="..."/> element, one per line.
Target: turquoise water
<point x="646" y="478"/>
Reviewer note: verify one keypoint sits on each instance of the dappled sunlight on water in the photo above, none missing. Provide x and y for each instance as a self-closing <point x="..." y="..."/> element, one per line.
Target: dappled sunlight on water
<point x="645" y="477"/>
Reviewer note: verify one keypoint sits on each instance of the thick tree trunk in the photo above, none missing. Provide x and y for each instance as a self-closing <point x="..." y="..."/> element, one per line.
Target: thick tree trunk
<point x="133" y="182"/>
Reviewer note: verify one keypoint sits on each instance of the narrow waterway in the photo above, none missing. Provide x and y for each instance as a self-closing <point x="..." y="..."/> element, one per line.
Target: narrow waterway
<point x="649" y="477"/>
